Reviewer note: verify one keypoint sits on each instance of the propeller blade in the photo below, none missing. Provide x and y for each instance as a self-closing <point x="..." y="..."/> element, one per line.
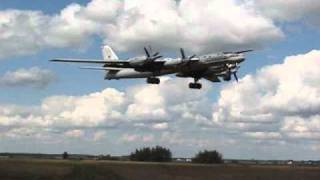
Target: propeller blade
<point x="156" y="54"/>
<point x="235" y="76"/>
<point x="183" y="56"/>
<point x="156" y="57"/>
<point x="191" y="57"/>
<point x="146" y="51"/>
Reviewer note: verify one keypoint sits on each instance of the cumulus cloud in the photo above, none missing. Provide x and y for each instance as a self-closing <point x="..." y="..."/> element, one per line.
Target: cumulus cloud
<point x="160" y="126"/>
<point x="290" y="10"/>
<point x="195" y="25"/>
<point x="280" y="101"/>
<point x="33" y="77"/>
<point x="129" y="138"/>
<point x="99" y="135"/>
<point x="77" y="133"/>
<point x="108" y="108"/>
<point x="130" y="24"/>
<point x="27" y="32"/>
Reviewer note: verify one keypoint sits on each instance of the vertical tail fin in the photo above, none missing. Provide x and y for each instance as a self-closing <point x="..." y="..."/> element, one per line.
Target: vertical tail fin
<point x="108" y="54"/>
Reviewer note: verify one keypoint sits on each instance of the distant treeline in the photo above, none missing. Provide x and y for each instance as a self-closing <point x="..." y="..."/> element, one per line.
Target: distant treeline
<point x="147" y="154"/>
<point x="161" y="154"/>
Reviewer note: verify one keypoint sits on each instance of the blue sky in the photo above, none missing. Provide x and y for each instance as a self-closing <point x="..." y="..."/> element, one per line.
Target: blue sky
<point x="274" y="36"/>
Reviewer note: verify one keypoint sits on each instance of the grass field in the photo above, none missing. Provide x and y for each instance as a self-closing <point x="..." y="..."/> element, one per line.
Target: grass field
<point x="108" y="170"/>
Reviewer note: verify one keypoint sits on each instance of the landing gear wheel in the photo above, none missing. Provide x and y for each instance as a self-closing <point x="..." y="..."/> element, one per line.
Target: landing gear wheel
<point x="195" y="86"/>
<point x="153" y="80"/>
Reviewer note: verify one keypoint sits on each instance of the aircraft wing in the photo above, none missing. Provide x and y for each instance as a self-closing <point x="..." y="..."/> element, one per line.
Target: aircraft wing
<point x="219" y="62"/>
<point x="115" y="63"/>
<point x="102" y="68"/>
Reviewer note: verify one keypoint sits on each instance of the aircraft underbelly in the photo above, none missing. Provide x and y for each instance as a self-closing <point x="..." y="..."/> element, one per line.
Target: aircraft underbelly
<point x="131" y="73"/>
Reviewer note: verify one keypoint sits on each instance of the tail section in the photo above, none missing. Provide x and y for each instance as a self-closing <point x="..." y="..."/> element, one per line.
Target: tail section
<point x="108" y="54"/>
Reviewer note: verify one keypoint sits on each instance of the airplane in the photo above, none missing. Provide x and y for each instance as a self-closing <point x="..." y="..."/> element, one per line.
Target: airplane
<point x="211" y="67"/>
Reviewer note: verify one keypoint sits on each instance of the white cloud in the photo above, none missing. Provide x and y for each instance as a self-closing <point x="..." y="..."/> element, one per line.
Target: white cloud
<point x="263" y="135"/>
<point x="178" y="139"/>
<point x="76" y="133"/>
<point x="160" y="126"/>
<point x="129" y="25"/>
<point x="108" y="108"/>
<point x="195" y="25"/>
<point x="302" y="127"/>
<point x="100" y="108"/>
<point x="148" y="102"/>
<point x="130" y="138"/>
<point x="34" y="77"/>
<point x="99" y="135"/>
<point x="27" y="32"/>
<point x="148" y="138"/>
<point x="279" y="101"/>
<point x="290" y="10"/>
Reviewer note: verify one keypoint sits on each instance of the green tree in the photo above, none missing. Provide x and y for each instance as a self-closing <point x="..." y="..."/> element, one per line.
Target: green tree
<point x="208" y="157"/>
<point x="154" y="154"/>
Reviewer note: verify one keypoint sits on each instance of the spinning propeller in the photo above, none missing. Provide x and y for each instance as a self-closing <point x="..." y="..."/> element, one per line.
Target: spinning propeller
<point x="185" y="60"/>
<point x="151" y="57"/>
<point x="233" y="70"/>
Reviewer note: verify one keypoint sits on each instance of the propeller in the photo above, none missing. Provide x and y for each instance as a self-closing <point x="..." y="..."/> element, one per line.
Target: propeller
<point x="184" y="58"/>
<point x="235" y="76"/>
<point x="233" y="71"/>
<point x="151" y="57"/>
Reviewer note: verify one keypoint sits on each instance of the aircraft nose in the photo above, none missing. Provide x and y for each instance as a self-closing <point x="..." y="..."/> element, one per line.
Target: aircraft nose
<point x="238" y="59"/>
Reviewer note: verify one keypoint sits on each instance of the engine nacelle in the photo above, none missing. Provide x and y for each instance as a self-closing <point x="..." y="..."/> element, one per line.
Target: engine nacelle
<point x="172" y="62"/>
<point x="227" y="77"/>
<point x="182" y="75"/>
<point x="137" y="62"/>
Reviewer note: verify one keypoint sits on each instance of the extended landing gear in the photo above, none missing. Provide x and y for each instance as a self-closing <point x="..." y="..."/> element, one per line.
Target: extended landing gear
<point x="153" y="80"/>
<point x="195" y="85"/>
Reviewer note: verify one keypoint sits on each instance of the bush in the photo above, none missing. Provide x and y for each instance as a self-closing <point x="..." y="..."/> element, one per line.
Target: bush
<point x="154" y="154"/>
<point x="65" y="155"/>
<point x="208" y="157"/>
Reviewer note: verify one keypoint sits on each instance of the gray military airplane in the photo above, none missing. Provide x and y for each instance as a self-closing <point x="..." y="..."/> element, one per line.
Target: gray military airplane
<point x="212" y="67"/>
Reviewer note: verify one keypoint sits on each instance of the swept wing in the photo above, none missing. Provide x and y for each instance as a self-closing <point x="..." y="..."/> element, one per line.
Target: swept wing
<point x="110" y="63"/>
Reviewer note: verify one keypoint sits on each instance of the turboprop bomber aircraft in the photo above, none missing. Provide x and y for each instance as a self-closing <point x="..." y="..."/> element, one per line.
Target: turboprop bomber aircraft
<point x="213" y="67"/>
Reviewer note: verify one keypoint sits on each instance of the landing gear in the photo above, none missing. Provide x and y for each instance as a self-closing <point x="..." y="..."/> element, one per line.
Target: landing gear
<point x="153" y="80"/>
<point x="195" y="85"/>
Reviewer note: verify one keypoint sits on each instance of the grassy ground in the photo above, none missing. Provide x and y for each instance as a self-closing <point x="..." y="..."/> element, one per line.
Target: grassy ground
<point x="107" y="170"/>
